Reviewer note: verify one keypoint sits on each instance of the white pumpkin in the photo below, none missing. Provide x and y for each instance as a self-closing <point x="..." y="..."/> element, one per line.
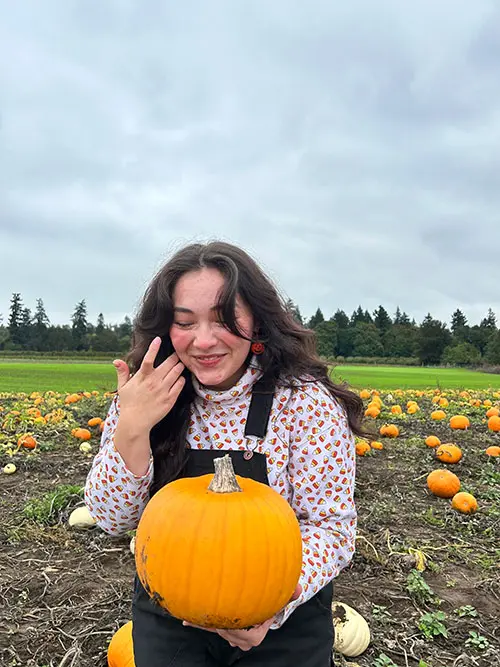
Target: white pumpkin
<point x="132" y="545"/>
<point x="9" y="469"/>
<point x="85" y="447"/>
<point x="352" y="634"/>
<point x="81" y="518"/>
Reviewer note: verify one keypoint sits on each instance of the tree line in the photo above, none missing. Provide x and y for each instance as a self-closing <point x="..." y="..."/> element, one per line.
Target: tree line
<point x="361" y="335"/>
<point x="378" y="335"/>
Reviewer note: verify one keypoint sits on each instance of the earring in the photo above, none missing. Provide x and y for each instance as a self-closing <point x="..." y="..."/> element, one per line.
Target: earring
<point x="257" y="348"/>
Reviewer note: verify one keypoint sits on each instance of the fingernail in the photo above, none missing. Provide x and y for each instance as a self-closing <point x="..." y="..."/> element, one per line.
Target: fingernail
<point x="157" y="340"/>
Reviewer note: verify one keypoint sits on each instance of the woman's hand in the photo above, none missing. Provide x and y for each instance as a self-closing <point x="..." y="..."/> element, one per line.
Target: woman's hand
<point x="148" y="395"/>
<point x="247" y="639"/>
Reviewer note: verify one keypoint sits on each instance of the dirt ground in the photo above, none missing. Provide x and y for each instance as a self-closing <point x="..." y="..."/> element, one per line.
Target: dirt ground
<point x="64" y="592"/>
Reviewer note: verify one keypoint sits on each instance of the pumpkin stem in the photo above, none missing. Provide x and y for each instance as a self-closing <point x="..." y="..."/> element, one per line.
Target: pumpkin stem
<point x="224" y="479"/>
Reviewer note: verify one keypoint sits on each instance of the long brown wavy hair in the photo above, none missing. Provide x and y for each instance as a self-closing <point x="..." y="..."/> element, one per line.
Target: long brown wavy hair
<point x="289" y="357"/>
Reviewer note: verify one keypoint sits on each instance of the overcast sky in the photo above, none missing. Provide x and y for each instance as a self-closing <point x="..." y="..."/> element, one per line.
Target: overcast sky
<point x="353" y="148"/>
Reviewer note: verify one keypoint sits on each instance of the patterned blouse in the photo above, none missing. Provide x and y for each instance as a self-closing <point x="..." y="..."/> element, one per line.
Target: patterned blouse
<point x="310" y="461"/>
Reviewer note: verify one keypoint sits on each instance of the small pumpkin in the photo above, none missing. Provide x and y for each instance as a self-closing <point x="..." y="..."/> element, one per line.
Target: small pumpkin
<point x="9" y="469"/>
<point x="375" y="444"/>
<point x="389" y="430"/>
<point x="121" y="647"/>
<point x="372" y="411"/>
<point x="438" y="415"/>
<point x="494" y="423"/>
<point x="493" y="412"/>
<point x="432" y="441"/>
<point x="459" y="422"/>
<point x="82" y="433"/>
<point x="95" y="421"/>
<point x="185" y="555"/>
<point x="352" y="633"/>
<point x="449" y="453"/>
<point x="443" y="483"/>
<point x="362" y="448"/>
<point x="27" y="441"/>
<point x="364" y="394"/>
<point x="81" y="518"/>
<point x="412" y="409"/>
<point x="464" y="502"/>
<point x="493" y="451"/>
<point x="396" y="410"/>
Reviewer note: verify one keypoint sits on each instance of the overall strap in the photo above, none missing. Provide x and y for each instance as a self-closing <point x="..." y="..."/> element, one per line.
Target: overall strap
<point x="260" y="407"/>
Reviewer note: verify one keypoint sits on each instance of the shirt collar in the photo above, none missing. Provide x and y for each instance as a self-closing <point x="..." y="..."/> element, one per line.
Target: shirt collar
<point x="240" y="390"/>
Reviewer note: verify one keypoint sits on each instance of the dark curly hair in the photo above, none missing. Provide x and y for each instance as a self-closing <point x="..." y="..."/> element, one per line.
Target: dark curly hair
<point x="290" y="349"/>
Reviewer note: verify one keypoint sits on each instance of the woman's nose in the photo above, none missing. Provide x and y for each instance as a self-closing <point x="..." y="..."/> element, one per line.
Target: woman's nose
<point x="205" y="337"/>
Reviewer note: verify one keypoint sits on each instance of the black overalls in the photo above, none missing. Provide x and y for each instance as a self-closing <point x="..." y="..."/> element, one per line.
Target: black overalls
<point x="304" y="640"/>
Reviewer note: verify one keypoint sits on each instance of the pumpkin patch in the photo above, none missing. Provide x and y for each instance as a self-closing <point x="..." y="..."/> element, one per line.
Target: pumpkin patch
<point x="422" y="520"/>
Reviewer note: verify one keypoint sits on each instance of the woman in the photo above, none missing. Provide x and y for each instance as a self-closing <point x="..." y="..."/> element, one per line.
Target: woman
<point x="218" y="363"/>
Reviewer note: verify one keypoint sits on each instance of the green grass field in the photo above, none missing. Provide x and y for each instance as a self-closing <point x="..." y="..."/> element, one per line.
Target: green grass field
<point x="69" y="377"/>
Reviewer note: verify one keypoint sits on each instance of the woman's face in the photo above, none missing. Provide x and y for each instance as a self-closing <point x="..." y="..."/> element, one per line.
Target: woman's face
<point x="215" y="355"/>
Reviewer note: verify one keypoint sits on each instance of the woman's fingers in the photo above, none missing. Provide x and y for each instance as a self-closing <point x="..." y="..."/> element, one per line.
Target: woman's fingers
<point x="147" y="364"/>
<point x="122" y="373"/>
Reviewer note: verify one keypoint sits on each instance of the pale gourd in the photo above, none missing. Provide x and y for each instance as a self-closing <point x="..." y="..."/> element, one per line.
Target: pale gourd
<point x="352" y="634"/>
<point x="81" y="518"/>
<point x="132" y="545"/>
<point x="9" y="469"/>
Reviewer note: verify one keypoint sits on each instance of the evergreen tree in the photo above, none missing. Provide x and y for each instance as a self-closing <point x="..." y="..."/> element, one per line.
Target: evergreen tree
<point x="493" y="349"/>
<point x="326" y="338"/>
<point x="459" y="326"/>
<point x="490" y="321"/>
<point x="341" y="320"/>
<point x="381" y="319"/>
<point x="433" y="338"/>
<point x="100" y="324"/>
<point x="316" y="319"/>
<point x="294" y="309"/>
<point x="15" y="319"/>
<point x="80" y="326"/>
<point x="366" y="340"/>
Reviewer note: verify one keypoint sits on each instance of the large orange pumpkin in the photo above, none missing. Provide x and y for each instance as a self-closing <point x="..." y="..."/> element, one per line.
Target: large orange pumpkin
<point x="81" y="433"/>
<point x="443" y="483"/>
<point x="449" y="453"/>
<point x="121" y="648"/>
<point x="494" y="423"/>
<point x="219" y="551"/>
<point x="460" y="422"/>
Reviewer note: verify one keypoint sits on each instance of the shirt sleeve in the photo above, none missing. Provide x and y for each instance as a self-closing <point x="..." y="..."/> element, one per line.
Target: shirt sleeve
<point x="321" y="472"/>
<point x="114" y="496"/>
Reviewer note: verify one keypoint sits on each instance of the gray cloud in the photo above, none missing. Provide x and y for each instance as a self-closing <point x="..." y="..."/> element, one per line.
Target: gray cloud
<point x="351" y="148"/>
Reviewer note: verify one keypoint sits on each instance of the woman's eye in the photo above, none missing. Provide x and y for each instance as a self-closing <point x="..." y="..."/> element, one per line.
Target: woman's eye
<point x="183" y="325"/>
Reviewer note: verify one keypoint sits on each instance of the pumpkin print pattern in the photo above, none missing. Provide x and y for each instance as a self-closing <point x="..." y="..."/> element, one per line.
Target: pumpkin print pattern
<point x="310" y="455"/>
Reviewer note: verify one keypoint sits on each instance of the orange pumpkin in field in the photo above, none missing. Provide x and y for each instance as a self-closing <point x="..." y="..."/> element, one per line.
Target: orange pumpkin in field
<point x="464" y="502"/>
<point x="460" y="422"/>
<point x="432" y="441"/>
<point x="449" y="453"/>
<point x="27" y="441"/>
<point x="443" y="483"/>
<point x="362" y="448"/>
<point x="389" y="430"/>
<point x="121" y="648"/>
<point x="493" y="412"/>
<point x="82" y="433"/>
<point x="95" y="421"/>
<point x="438" y="415"/>
<point x="494" y="423"/>
<point x="493" y="451"/>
